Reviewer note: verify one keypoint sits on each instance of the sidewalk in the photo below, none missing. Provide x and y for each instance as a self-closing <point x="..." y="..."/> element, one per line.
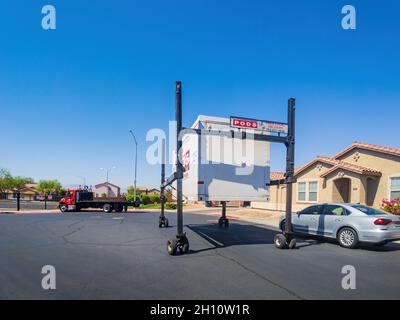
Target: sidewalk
<point x="265" y="217"/>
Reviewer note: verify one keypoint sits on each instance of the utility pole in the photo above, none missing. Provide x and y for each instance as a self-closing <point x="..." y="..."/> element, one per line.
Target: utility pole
<point x="136" y="144"/>
<point x="107" y="171"/>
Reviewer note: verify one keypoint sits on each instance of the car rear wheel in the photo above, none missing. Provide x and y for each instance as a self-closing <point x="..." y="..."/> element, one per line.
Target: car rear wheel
<point x="347" y="238"/>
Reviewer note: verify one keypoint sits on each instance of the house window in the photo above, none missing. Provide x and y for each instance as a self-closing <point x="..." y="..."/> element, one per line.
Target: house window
<point x="307" y="191"/>
<point x="302" y="191"/>
<point x="312" y="190"/>
<point x="394" y="188"/>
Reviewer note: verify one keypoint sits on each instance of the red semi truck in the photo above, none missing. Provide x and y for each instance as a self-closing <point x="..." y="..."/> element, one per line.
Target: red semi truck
<point x="77" y="199"/>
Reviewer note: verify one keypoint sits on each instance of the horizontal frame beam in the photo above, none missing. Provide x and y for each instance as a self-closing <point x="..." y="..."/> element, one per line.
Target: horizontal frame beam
<point x="232" y="134"/>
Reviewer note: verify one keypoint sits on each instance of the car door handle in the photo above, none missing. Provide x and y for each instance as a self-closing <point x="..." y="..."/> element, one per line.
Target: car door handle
<point x="338" y="219"/>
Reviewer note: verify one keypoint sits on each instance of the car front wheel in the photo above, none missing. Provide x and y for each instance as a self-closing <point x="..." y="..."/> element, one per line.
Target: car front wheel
<point x="63" y="208"/>
<point x="347" y="238"/>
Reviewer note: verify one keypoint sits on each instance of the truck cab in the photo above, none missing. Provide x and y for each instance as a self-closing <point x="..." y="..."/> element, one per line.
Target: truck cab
<point x="72" y="197"/>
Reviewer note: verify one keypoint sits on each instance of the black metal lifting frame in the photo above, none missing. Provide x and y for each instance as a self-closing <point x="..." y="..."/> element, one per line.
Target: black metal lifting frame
<point x="181" y="242"/>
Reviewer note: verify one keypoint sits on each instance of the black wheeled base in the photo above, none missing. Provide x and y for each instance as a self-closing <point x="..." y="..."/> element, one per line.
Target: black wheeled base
<point x="223" y="222"/>
<point x="179" y="244"/>
<point x="285" y="241"/>
<point x="163" y="222"/>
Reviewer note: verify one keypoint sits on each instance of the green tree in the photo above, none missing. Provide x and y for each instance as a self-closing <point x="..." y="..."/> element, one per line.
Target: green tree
<point x="18" y="183"/>
<point x="47" y="187"/>
<point x="9" y="183"/>
<point x="6" y="182"/>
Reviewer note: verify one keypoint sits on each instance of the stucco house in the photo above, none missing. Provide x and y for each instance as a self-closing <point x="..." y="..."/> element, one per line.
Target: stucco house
<point x="362" y="173"/>
<point x="108" y="189"/>
<point x="144" y="190"/>
<point x="27" y="193"/>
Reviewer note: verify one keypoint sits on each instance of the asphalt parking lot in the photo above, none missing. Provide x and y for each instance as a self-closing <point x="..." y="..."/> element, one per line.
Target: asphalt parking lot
<point x="123" y="256"/>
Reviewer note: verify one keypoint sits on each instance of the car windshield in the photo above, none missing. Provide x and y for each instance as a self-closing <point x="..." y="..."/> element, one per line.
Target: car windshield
<point x="367" y="210"/>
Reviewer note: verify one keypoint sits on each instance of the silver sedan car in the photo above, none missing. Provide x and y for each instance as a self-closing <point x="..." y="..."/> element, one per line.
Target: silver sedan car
<point x="348" y="223"/>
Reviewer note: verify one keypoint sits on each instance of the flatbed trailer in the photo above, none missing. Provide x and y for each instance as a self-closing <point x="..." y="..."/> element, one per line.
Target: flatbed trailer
<point x="78" y="199"/>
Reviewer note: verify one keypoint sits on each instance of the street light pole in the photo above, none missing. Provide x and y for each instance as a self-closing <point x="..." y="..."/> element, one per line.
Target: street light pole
<point x="136" y="144"/>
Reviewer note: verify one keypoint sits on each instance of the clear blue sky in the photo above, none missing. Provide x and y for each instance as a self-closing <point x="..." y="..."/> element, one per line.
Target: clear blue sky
<point x="69" y="97"/>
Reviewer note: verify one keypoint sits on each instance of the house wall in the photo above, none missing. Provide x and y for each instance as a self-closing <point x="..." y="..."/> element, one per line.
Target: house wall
<point x="388" y="165"/>
<point x="277" y="199"/>
<point x="356" y="189"/>
<point x="108" y="190"/>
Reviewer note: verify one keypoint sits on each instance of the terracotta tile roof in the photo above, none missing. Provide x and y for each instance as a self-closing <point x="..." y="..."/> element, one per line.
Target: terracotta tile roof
<point x="336" y="164"/>
<point x="276" y="175"/>
<point x="369" y="146"/>
<point x="354" y="168"/>
<point x="327" y="160"/>
<point x="339" y="164"/>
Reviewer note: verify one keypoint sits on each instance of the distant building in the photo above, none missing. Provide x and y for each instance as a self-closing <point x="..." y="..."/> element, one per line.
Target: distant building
<point x="108" y="189"/>
<point x="143" y="190"/>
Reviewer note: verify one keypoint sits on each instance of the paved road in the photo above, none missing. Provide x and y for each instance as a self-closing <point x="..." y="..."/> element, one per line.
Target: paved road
<point x="123" y="256"/>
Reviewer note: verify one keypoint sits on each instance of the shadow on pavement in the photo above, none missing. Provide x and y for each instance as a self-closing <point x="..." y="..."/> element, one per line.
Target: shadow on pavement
<point x="239" y="234"/>
<point x="379" y="248"/>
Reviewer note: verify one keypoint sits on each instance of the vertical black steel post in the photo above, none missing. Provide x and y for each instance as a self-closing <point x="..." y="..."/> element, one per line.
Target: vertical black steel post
<point x="223" y="209"/>
<point x="162" y="180"/>
<point x="179" y="168"/>
<point x="18" y="201"/>
<point x="290" y="165"/>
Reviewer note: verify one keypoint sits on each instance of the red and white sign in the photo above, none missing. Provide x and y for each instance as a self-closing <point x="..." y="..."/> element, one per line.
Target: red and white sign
<point x="244" y="123"/>
<point x="261" y="125"/>
<point x="186" y="160"/>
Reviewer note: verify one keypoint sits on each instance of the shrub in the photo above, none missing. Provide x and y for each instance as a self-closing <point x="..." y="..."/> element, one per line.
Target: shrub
<point x="129" y="197"/>
<point x="146" y="199"/>
<point x="391" y="206"/>
<point x="170" y="206"/>
<point x="155" y="198"/>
